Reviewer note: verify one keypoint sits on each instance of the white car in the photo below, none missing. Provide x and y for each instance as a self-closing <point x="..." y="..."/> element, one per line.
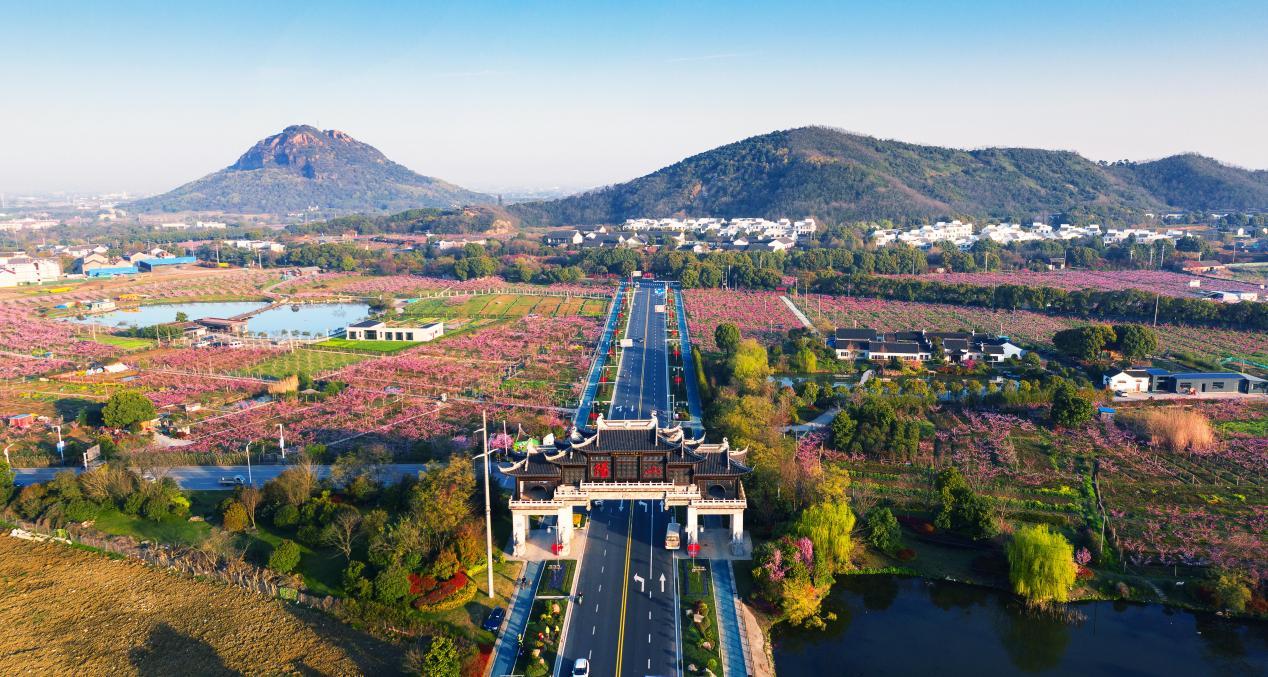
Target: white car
<point x="581" y="668"/>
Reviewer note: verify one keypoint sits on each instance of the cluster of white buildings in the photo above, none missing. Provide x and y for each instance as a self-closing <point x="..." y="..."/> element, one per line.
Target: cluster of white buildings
<point x="259" y="245"/>
<point x="17" y="268"/>
<point x="726" y="228"/>
<point x="197" y="225"/>
<point x="963" y="235"/>
<point x="27" y="223"/>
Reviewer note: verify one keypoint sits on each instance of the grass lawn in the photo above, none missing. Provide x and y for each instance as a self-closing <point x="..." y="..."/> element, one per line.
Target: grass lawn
<point x="699" y="638"/>
<point x="174" y="531"/>
<point x="302" y="361"/>
<point x="564" y="580"/>
<point x="384" y="347"/>
<point x="128" y="343"/>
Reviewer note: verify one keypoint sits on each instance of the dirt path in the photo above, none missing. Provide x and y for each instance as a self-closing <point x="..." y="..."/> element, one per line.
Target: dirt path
<point x="69" y="612"/>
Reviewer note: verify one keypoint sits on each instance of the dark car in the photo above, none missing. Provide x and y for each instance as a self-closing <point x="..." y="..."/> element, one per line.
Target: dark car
<point x="494" y="621"/>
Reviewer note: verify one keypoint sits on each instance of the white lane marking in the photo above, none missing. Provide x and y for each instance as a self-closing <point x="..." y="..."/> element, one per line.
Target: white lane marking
<point x="593" y="628"/>
<point x="649" y="641"/>
<point x="600" y="587"/>
<point x="596" y="608"/>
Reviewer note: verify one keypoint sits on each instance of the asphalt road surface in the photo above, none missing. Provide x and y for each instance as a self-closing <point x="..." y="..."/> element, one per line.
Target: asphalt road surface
<point x="626" y="625"/>
<point x="209" y="476"/>
<point x="642" y="382"/>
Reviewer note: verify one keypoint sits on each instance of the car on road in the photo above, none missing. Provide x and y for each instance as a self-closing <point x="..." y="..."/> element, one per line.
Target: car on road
<point x="581" y="668"/>
<point x="234" y="481"/>
<point x="494" y="620"/>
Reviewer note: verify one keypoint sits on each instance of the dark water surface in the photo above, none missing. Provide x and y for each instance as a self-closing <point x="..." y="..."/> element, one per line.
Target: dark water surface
<point x="905" y="626"/>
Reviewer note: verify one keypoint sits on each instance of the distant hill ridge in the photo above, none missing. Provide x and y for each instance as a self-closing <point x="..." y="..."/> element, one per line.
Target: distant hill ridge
<point x="843" y="177"/>
<point x="304" y="167"/>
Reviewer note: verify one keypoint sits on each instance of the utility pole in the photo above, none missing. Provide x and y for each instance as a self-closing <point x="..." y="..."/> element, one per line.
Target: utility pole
<point x="281" y="441"/>
<point x="1157" y="297"/>
<point x="250" y="479"/>
<point x="488" y="506"/>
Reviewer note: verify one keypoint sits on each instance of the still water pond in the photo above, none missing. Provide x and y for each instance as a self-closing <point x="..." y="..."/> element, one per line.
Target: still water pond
<point x="905" y="626"/>
<point x="319" y="318"/>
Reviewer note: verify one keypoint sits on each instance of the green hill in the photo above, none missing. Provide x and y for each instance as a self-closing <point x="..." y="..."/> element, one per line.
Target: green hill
<point x="305" y="167"/>
<point x="841" y="177"/>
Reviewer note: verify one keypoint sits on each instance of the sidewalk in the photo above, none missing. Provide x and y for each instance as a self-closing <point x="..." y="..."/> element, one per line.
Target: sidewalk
<point x="800" y="315"/>
<point x="582" y="416"/>
<point x="730" y="633"/>
<point x="688" y="365"/>
<point x="507" y="648"/>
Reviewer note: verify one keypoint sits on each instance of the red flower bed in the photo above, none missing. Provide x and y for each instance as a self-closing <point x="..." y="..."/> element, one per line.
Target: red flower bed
<point x="1084" y="573"/>
<point x="442" y="591"/>
<point x="474" y="667"/>
<point x="420" y="584"/>
<point x="906" y="554"/>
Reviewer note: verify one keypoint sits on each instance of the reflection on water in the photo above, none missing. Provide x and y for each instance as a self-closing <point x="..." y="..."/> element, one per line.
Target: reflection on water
<point x="903" y="626"/>
<point x="317" y="319"/>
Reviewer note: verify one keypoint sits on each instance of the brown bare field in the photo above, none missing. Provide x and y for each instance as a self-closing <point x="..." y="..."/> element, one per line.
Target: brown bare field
<point x="65" y="611"/>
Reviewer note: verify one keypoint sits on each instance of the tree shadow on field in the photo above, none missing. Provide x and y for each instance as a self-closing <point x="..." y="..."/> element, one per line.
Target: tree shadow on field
<point x="371" y="655"/>
<point x="168" y="652"/>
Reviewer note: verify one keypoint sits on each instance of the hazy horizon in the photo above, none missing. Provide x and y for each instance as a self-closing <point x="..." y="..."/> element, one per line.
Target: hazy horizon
<point x="144" y="98"/>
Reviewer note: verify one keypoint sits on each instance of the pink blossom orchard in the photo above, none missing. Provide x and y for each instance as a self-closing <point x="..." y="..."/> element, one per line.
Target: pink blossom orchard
<point x="757" y="314"/>
<point x="1166" y="282"/>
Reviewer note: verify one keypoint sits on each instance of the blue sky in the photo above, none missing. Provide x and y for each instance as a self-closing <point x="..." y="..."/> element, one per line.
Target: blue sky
<point x="145" y="96"/>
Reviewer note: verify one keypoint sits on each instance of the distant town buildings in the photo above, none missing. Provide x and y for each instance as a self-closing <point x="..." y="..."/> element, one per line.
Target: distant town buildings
<point x="260" y="245"/>
<point x="698" y="235"/>
<point x="27" y="223"/>
<point x="963" y="235"/>
<point x="197" y="225"/>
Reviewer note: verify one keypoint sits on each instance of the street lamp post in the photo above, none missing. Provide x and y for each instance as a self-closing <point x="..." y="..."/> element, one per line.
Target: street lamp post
<point x="61" y="445"/>
<point x="250" y="479"/>
<point x="488" y="506"/>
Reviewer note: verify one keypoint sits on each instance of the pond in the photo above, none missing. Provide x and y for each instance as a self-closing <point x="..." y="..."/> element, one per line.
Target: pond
<point x="317" y="318"/>
<point x="145" y="316"/>
<point x="907" y="626"/>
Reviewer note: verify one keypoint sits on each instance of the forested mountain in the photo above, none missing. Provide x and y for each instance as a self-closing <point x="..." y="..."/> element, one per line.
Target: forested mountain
<point x="306" y="167"/>
<point x="841" y="177"/>
<point x="1194" y="182"/>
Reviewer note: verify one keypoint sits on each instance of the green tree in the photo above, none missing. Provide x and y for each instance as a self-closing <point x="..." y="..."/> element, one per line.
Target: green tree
<point x="842" y="429"/>
<point x="182" y="317"/>
<point x="1085" y="343"/>
<point x="727" y="336"/>
<point x="443" y="659"/>
<point x="749" y="367"/>
<point x="235" y="517"/>
<point x="884" y="533"/>
<point x="285" y="556"/>
<point x="1231" y="592"/>
<point x="391" y="585"/>
<point x="126" y="408"/>
<point x="1041" y="565"/>
<point x="804" y="361"/>
<point x="828" y="525"/>
<point x="1069" y="408"/>
<point x="6" y="482"/>
<point x="1135" y="341"/>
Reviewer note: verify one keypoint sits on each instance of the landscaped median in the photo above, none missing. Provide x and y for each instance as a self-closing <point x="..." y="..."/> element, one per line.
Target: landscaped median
<point x="700" y="645"/>
<point x="540" y="647"/>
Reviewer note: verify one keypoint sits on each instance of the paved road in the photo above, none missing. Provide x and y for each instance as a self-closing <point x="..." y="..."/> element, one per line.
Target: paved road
<point x="623" y="626"/>
<point x="208" y="476"/>
<point x="642" y="382"/>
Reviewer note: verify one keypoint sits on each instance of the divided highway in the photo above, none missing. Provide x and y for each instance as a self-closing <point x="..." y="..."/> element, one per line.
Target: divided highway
<point x="628" y="621"/>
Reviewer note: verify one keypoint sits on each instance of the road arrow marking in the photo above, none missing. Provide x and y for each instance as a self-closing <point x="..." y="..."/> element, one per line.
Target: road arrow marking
<point x="639" y="579"/>
<point x="662" y="582"/>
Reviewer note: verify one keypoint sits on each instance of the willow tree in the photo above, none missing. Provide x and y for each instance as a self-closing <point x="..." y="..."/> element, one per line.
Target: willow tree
<point x="828" y="525"/>
<point x="1041" y="565"/>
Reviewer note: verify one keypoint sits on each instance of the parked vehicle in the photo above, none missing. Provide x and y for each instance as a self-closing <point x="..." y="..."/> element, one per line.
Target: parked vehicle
<point x="494" y="620"/>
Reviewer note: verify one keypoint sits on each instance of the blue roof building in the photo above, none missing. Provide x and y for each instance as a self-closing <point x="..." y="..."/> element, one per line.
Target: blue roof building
<point x="112" y="271"/>
<point x="148" y="265"/>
